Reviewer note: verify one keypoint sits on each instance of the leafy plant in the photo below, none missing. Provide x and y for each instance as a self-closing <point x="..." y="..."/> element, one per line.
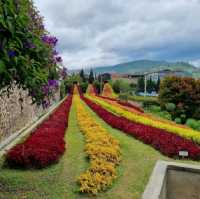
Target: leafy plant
<point x="170" y="107"/>
<point x="28" y="57"/>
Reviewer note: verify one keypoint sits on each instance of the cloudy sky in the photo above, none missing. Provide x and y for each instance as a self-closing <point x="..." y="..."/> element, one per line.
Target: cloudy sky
<point x="106" y="32"/>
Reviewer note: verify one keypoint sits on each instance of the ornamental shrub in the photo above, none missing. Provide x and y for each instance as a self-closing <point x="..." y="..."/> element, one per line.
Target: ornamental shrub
<point x="170" y="107"/>
<point x="184" y="93"/>
<point x="83" y="86"/>
<point x="123" y="96"/>
<point x="155" y="109"/>
<point x="195" y="124"/>
<point x="178" y="120"/>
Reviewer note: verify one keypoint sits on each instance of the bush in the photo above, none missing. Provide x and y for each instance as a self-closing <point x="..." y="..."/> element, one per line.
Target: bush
<point x="155" y="108"/>
<point x="27" y="53"/>
<point x="165" y="115"/>
<point x="178" y="120"/>
<point x="123" y="96"/>
<point x="170" y="107"/>
<point x="62" y="90"/>
<point x="84" y="86"/>
<point x="195" y="124"/>
<point x="146" y="101"/>
<point x="184" y="93"/>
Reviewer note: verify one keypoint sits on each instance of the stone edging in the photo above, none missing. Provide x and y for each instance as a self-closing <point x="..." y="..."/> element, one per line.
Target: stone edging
<point x="28" y="129"/>
<point x="157" y="180"/>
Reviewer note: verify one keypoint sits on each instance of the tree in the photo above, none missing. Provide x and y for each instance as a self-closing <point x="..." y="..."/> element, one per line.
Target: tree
<point x="158" y="84"/>
<point x="151" y="85"/>
<point x="184" y="92"/>
<point x="121" y="86"/>
<point x="116" y="86"/>
<point x="140" y="84"/>
<point x="82" y="75"/>
<point x="91" y="76"/>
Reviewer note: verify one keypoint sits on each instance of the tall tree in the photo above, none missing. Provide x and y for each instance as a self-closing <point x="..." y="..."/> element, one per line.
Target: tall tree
<point x="91" y="76"/>
<point x="140" y="84"/>
<point x="158" y="84"/>
<point x="82" y="75"/>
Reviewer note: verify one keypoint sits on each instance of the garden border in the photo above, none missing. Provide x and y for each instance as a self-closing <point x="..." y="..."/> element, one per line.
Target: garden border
<point x="28" y="129"/>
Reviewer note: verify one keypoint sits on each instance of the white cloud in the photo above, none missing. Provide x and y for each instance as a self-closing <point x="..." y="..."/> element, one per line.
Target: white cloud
<point x="102" y="32"/>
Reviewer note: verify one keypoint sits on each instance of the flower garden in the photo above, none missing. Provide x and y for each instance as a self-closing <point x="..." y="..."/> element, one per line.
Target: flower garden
<point x="93" y="146"/>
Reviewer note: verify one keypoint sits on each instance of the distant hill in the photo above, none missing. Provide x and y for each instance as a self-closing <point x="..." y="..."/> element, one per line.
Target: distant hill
<point x="142" y="66"/>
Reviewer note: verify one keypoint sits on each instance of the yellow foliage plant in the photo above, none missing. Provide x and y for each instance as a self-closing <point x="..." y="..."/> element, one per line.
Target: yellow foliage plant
<point x="102" y="149"/>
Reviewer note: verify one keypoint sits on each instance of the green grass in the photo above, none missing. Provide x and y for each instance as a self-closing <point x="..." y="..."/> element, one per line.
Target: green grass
<point x="59" y="181"/>
<point x="143" y="98"/>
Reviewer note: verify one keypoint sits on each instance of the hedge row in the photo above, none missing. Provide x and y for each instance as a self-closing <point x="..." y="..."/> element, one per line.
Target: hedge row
<point x="46" y="144"/>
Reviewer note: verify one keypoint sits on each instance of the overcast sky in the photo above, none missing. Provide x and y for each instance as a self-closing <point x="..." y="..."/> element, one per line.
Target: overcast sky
<point x="106" y="32"/>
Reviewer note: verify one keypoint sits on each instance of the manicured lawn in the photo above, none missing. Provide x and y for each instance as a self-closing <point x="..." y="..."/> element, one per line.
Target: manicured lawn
<point x="54" y="182"/>
<point x="58" y="181"/>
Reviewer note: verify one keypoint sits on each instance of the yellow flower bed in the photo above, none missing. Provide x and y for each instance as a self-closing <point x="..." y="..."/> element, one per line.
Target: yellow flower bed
<point x="183" y="132"/>
<point x="102" y="149"/>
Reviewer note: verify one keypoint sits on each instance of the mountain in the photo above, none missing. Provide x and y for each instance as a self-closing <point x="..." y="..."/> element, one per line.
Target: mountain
<point x="142" y="66"/>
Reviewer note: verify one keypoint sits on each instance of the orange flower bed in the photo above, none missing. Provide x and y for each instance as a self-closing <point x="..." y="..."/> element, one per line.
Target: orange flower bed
<point x="91" y="90"/>
<point x="108" y="91"/>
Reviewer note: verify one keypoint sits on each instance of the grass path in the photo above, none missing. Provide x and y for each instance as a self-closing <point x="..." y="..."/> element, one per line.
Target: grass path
<point x="58" y="181"/>
<point x="54" y="182"/>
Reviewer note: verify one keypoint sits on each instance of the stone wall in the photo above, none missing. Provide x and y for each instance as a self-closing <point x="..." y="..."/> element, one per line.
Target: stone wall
<point x="17" y="111"/>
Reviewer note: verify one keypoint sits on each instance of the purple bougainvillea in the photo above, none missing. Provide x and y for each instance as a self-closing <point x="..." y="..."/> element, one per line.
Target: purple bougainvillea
<point x="51" y="40"/>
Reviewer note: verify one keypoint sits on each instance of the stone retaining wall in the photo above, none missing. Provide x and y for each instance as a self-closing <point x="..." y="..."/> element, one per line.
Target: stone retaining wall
<point x="17" y="111"/>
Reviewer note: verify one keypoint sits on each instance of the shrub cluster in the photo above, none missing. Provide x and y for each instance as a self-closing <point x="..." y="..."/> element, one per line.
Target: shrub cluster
<point x="192" y="123"/>
<point x="46" y="144"/>
<point x="27" y="52"/>
<point x="167" y="143"/>
<point x="181" y="96"/>
<point x="91" y="90"/>
<point x="102" y="149"/>
<point x="108" y="91"/>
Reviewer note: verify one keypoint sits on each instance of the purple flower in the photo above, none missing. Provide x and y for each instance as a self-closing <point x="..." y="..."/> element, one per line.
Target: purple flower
<point x="41" y="27"/>
<point x="49" y="40"/>
<point x="45" y="104"/>
<point x="11" y="53"/>
<point x="53" y="83"/>
<point x="29" y="45"/>
<point x="58" y="59"/>
<point x="55" y="52"/>
<point x="63" y="72"/>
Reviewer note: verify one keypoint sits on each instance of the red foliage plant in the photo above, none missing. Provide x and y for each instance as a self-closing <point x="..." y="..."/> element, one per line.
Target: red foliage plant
<point x="46" y="144"/>
<point x="167" y="143"/>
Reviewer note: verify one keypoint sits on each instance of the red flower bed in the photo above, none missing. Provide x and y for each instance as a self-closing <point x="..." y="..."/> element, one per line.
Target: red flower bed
<point x="124" y="103"/>
<point x="167" y="143"/>
<point x="46" y="144"/>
